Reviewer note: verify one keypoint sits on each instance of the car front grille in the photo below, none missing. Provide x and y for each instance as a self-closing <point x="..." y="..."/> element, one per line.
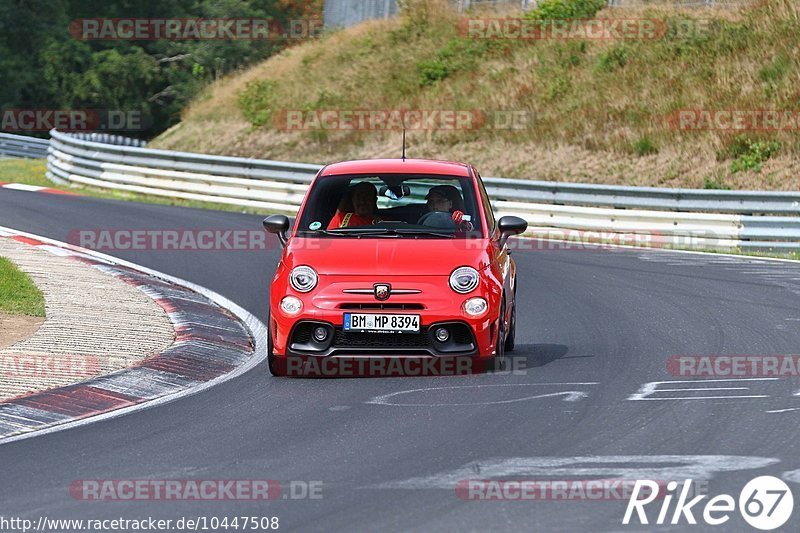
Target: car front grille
<point x="353" y="339"/>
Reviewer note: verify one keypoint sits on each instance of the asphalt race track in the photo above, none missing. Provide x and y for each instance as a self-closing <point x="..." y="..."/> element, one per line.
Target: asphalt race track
<point x="594" y="327"/>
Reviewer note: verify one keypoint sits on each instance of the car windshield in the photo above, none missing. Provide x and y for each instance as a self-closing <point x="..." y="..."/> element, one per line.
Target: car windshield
<point x="400" y="206"/>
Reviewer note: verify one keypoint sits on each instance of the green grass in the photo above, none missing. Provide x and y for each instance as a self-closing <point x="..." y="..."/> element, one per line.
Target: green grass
<point x="27" y="171"/>
<point x="715" y="182"/>
<point x="18" y="294"/>
<point x="32" y="172"/>
<point x="644" y="146"/>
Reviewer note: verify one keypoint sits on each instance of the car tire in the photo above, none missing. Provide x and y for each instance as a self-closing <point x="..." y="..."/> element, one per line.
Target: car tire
<point x="276" y="367"/>
<point x="512" y="330"/>
<point x="499" y="359"/>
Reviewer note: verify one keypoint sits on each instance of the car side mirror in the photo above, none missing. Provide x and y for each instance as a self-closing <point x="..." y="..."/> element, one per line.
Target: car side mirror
<point x="509" y="226"/>
<point x="278" y="224"/>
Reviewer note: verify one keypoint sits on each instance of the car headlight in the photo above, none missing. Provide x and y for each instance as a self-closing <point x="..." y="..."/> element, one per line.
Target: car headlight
<point x="475" y="307"/>
<point x="291" y="305"/>
<point x="464" y="279"/>
<point x="303" y="278"/>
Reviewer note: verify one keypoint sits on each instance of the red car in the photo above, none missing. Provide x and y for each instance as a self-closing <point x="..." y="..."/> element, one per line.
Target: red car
<point x="393" y="258"/>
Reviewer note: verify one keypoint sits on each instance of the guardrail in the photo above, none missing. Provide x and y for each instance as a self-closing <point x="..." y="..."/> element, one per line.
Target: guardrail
<point x="34" y="148"/>
<point x="685" y="218"/>
<point x="109" y="138"/>
<point x="23" y="146"/>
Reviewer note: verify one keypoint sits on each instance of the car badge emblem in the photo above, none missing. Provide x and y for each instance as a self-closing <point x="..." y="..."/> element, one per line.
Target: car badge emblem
<point x="382" y="291"/>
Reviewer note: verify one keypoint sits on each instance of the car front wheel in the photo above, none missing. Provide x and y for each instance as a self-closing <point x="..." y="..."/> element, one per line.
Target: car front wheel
<point x="512" y="330"/>
<point x="499" y="359"/>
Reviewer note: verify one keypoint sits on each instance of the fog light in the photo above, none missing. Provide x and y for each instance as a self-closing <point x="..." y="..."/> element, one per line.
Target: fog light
<point x="291" y="305"/>
<point x="475" y="306"/>
<point x="320" y="334"/>
<point x="442" y="334"/>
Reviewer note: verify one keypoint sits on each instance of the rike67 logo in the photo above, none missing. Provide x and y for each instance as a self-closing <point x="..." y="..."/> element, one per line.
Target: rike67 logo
<point x="765" y="503"/>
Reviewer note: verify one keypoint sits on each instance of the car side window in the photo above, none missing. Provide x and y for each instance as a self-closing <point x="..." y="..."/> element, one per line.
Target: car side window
<point x="487" y="206"/>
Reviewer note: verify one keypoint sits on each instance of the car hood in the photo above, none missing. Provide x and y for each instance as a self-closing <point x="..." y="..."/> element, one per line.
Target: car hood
<point x="386" y="256"/>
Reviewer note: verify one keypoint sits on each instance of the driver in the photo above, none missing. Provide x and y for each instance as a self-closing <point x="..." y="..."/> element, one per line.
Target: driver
<point x="363" y="197"/>
<point x="444" y="209"/>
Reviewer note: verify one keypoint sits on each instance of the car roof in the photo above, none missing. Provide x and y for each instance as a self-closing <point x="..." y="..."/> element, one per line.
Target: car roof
<point x="397" y="166"/>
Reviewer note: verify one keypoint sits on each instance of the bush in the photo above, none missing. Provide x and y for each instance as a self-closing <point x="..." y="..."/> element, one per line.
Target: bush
<point x="566" y="9"/>
<point x="644" y="146"/>
<point x="457" y="55"/>
<point x="748" y="153"/>
<point x="612" y="59"/>
<point x="255" y="102"/>
<point x="759" y="152"/>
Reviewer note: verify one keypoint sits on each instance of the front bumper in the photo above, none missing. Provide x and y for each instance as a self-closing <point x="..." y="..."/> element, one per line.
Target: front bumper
<point x="338" y="342"/>
<point x="437" y="307"/>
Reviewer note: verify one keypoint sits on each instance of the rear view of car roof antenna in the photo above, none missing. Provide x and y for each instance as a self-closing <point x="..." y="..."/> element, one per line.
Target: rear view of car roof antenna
<point x="404" y="144"/>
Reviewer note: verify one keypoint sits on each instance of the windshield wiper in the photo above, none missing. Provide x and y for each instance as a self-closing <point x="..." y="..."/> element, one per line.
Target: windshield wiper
<point x="355" y="232"/>
<point x="360" y="229"/>
<point x="311" y="233"/>
<point x="383" y="232"/>
<point x="424" y="232"/>
<point x="393" y="232"/>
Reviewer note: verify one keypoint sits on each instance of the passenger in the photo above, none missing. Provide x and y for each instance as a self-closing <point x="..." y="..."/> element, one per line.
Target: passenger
<point x="445" y="209"/>
<point x="362" y="209"/>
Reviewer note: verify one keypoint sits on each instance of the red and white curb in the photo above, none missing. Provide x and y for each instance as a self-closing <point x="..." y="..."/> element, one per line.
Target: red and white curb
<point x="33" y="188"/>
<point x="216" y="340"/>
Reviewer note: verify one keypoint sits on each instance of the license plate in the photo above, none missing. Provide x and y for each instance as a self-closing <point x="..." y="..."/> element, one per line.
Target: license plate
<point x="381" y="323"/>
